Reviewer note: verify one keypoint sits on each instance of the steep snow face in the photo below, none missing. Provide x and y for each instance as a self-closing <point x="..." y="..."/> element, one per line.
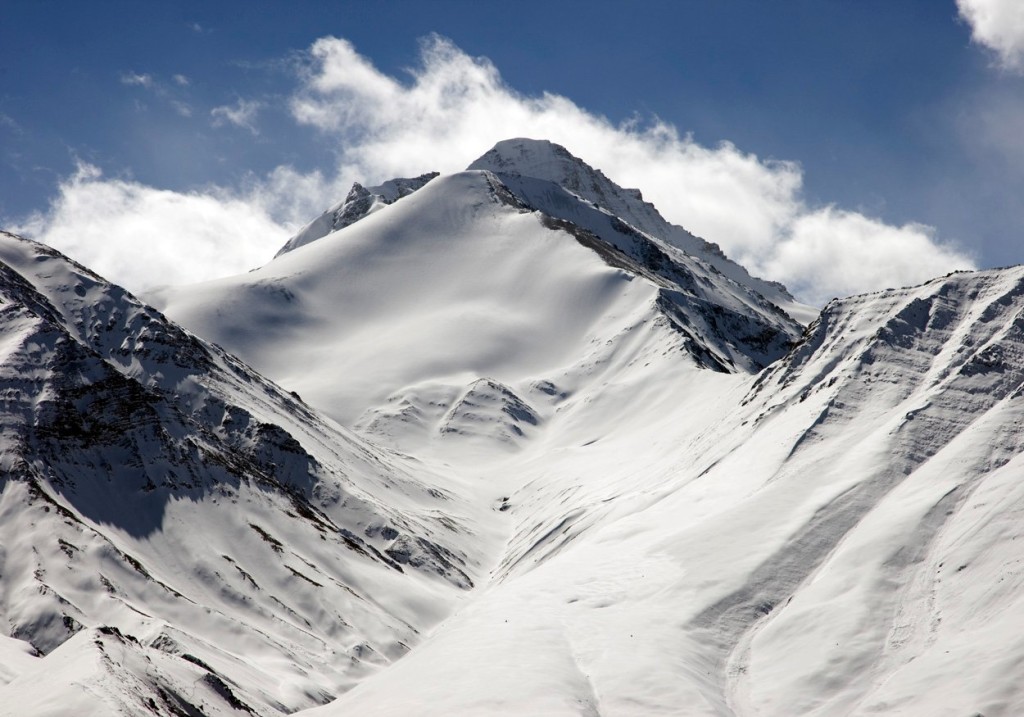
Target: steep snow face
<point x="386" y="323"/>
<point x="839" y="535"/>
<point x="917" y="399"/>
<point x="169" y="518"/>
<point x="541" y="159"/>
<point x="360" y="202"/>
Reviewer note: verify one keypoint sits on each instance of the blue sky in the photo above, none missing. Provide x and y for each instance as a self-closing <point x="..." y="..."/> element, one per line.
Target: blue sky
<point x="844" y="121"/>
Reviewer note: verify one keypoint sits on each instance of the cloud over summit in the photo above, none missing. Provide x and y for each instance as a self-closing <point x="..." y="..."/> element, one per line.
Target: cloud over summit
<point x="450" y="110"/>
<point x="144" y="237"/>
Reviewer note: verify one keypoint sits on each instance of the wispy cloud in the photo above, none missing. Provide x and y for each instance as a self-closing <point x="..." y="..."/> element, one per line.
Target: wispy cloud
<point x="171" y="95"/>
<point x="145" y="237"/>
<point x="241" y="114"/>
<point x="9" y="123"/>
<point x="140" y="80"/>
<point x="998" y="25"/>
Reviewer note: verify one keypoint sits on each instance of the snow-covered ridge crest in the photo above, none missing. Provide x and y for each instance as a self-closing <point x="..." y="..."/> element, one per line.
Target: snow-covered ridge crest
<point x="359" y="202"/>
<point x="547" y="161"/>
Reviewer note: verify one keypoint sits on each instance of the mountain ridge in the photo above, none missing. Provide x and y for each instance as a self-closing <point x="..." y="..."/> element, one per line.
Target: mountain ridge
<point x="359" y="202"/>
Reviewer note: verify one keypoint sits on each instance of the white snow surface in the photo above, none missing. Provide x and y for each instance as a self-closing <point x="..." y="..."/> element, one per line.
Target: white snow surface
<point x="618" y="479"/>
<point x="397" y="315"/>
<point x="360" y="202"/>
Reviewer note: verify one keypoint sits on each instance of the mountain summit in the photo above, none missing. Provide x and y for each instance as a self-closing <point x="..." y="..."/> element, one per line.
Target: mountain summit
<point x="552" y="162"/>
<point x="505" y="277"/>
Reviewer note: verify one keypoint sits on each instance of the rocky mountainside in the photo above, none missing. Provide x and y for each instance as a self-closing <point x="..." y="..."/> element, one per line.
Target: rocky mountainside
<point x="184" y="531"/>
<point x="556" y="454"/>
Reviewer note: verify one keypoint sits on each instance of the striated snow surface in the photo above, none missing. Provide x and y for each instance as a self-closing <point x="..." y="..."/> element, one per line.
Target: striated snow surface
<point x="629" y="483"/>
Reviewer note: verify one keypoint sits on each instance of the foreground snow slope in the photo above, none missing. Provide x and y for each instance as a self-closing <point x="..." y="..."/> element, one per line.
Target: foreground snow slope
<point x="840" y="535"/>
<point x="178" y="534"/>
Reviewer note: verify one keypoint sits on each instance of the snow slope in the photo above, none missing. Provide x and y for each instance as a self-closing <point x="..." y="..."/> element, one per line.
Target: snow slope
<point x="840" y="535"/>
<point x="677" y="537"/>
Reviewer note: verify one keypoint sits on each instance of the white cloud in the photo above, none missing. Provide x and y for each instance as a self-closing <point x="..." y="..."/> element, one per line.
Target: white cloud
<point x="833" y="253"/>
<point x="999" y="25"/>
<point x="143" y="237"/>
<point x="134" y="78"/>
<point x="241" y="114"/>
<point x="452" y="110"/>
<point x="456" y="107"/>
<point x="181" y="80"/>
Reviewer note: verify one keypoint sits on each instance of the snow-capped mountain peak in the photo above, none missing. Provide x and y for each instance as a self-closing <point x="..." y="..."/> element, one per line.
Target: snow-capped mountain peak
<point x="542" y="159"/>
<point x="441" y="278"/>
